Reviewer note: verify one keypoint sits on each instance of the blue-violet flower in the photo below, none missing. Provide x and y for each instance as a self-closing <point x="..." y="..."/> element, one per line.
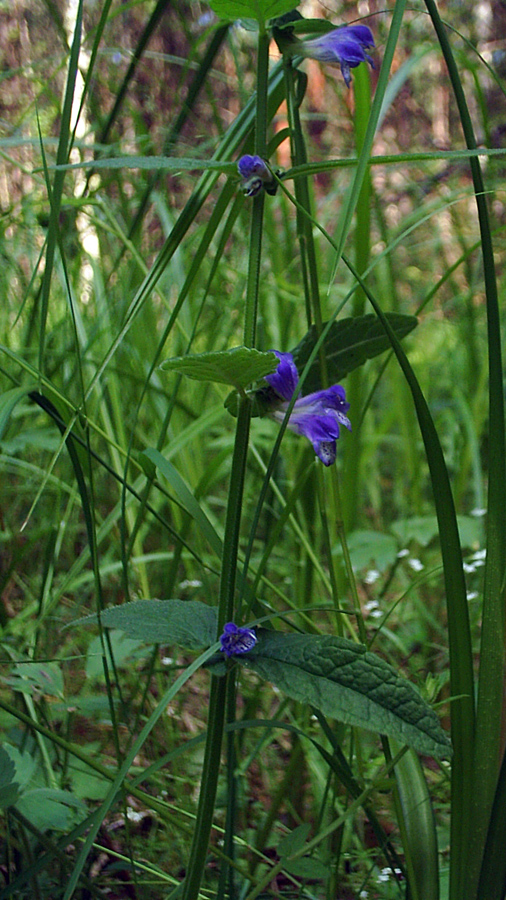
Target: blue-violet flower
<point x="343" y="46"/>
<point x="317" y="416"/>
<point x="256" y="176"/>
<point x="237" y="640"/>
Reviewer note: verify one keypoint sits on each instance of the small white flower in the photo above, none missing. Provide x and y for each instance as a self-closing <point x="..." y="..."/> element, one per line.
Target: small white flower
<point x="371" y="576"/>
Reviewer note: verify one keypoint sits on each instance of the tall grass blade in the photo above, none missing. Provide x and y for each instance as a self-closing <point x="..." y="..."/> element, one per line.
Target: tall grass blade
<point x="492" y="653"/>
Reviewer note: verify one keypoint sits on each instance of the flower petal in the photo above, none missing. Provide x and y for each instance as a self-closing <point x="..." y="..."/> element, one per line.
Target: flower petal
<point x="235" y="640"/>
<point x="286" y="378"/>
<point x="253" y="165"/>
<point x="326" y="451"/>
<point x="317" y="416"/>
<point x="343" y="46"/>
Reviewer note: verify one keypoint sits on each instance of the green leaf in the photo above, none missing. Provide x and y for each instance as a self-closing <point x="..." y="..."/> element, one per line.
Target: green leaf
<point x="10" y="399"/>
<point x="349" y="343"/>
<point x="48" y="809"/>
<point x="237" y="367"/>
<point x="8" y="787"/>
<point x="261" y="10"/>
<point x="294" y="841"/>
<point x="187" y="622"/>
<point x="45" y="678"/>
<point x="424" y="529"/>
<point x="348" y="683"/>
<point x="371" y="548"/>
<point x="306" y="867"/>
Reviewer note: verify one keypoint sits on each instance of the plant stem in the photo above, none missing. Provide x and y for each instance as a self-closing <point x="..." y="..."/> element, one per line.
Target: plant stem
<point x="220" y="686"/>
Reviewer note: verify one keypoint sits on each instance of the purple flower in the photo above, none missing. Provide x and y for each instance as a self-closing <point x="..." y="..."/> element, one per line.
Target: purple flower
<point x="317" y="416"/>
<point x="343" y="46"/>
<point x="256" y="176"/>
<point x="237" y="640"/>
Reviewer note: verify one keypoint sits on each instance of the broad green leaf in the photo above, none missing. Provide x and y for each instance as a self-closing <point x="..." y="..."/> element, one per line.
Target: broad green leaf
<point x="348" y="683"/>
<point x="237" y="367"/>
<point x="50" y="809"/>
<point x="24" y="763"/>
<point x="349" y="343"/>
<point x="85" y="782"/>
<point x="8" y="787"/>
<point x="261" y="10"/>
<point x="187" y="622"/>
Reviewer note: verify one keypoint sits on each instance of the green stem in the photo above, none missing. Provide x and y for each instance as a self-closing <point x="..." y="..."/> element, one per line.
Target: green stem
<point x="220" y="686"/>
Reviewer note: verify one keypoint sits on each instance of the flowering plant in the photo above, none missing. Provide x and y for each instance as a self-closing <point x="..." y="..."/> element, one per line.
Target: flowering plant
<point x="317" y="416"/>
<point x="236" y="640"/>
<point x="344" y="46"/>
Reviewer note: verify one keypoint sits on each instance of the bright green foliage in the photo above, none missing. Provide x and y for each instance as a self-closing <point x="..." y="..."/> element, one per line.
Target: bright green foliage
<point x="238" y="367"/>
<point x="261" y="10"/>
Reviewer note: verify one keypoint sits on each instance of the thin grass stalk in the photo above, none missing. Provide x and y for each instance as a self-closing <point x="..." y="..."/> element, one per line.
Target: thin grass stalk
<point x="362" y="238"/>
<point x="492" y="652"/>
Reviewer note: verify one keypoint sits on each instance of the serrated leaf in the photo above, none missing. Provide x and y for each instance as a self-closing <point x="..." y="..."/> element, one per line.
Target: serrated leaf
<point x="187" y="622"/>
<point x="237" y="367"/>
<point x="261" y="10"/>
<point x="349" y="343"/>
<point x="48" y="809"/>
<point x="348" y="683"/>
